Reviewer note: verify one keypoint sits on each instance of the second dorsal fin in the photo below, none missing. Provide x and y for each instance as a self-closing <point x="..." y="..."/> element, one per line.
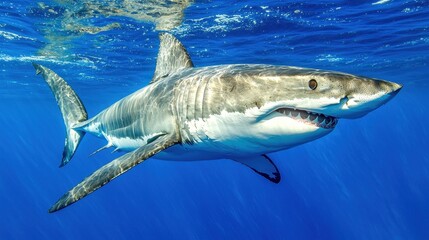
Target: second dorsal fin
<point x="172" y="57"/>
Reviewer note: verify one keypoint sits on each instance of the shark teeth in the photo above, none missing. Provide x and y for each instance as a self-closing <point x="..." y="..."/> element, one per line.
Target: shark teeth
<point x="312" y="118"/>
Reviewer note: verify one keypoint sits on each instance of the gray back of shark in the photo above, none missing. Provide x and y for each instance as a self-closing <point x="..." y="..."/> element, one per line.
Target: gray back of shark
<point x="240" y="112"/>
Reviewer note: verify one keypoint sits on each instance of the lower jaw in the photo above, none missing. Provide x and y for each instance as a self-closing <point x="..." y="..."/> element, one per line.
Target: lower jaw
<point x="286" y="141"/>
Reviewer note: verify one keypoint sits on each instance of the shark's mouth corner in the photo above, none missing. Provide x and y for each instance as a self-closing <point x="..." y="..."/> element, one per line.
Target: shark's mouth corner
<point x="312" y="118"/>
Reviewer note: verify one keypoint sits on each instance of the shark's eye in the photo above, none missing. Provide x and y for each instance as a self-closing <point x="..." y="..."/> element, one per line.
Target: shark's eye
<point x="312" y="84"/>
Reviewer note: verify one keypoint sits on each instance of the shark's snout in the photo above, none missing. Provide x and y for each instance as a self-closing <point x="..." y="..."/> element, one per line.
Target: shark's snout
<point x="395" y="88"/>
<point x="366" y="97"/>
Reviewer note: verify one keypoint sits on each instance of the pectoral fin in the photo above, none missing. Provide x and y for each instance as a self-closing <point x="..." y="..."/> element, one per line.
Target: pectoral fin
<point x="263" y="166"/>
<point x="113" y="169"/>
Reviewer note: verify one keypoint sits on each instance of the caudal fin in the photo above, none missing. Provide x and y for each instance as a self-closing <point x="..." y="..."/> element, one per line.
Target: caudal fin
<point x="71" y="108"/>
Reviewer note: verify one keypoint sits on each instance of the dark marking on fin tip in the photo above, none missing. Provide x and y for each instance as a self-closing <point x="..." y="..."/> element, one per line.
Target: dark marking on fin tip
<point x="263" y="166"/>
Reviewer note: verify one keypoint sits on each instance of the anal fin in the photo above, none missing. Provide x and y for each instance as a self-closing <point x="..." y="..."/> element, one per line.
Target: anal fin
<point x="102" y="148"/>
<point x="112" y="170"/>
<point x="263" y="166"/>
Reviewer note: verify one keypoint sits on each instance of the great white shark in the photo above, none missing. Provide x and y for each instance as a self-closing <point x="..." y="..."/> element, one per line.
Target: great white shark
<point x="240" y="112"/>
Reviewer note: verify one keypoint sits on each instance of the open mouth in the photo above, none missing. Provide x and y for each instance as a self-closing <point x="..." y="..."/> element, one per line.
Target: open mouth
<point x="315" y="119"/>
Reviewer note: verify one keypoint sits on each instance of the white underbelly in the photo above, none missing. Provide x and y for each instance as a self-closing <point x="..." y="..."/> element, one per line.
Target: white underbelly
<point x="233" y="134"/>
<point x="177" y="152"/>
<point x="180" y="152"/>
<point x="229" y="135"/>
<point x="127" y="143"/>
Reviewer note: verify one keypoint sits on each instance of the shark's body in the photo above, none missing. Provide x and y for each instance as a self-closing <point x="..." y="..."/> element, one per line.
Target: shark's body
<point x="192" y="103"/>
<point x="238" y="112"/>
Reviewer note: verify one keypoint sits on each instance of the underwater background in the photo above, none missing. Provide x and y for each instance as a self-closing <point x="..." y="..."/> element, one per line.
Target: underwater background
<point x="369" y="179"/>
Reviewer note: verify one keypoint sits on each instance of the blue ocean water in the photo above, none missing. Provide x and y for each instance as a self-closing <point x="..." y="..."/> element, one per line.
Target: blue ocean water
<point x="369" y="179"/>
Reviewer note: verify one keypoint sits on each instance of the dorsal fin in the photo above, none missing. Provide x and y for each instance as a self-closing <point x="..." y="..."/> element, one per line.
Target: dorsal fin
<point x="172" y="57"/>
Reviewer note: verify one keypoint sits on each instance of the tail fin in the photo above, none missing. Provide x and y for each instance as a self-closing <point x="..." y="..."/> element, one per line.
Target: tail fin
<point x="71" y="108"/>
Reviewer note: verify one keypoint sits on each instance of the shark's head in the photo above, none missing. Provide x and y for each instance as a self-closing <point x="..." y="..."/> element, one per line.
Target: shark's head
<point x="325" y="93"/>
<point x="297" y="105"/>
